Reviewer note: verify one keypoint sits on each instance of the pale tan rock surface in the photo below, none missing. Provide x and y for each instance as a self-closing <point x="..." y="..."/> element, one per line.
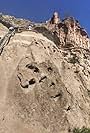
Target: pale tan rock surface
<point x="44" y="87"/>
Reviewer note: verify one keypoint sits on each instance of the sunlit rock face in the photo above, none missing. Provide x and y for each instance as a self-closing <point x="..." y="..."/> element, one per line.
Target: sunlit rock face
<point x="45" y="79"/>
<point x="69" y="32"/>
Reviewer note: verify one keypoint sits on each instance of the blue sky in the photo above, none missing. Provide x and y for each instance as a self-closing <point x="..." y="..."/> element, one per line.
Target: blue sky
<point x="41" y="10"/>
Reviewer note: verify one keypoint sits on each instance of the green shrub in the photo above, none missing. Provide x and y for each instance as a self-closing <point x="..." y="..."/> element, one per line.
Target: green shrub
<point x="83" y="130"/>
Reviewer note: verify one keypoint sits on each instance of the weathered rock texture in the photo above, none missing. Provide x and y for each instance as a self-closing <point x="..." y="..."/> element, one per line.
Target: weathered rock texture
<point x="45" y="79"/>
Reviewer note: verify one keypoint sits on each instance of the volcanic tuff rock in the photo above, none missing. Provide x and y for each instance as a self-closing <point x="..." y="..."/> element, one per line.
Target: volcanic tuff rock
<point x="45" y="78"/>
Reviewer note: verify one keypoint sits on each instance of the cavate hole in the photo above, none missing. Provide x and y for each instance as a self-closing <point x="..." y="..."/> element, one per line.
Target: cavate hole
<point x="54" y="50"/>
<point x="76" y="71"/>
<point x="23" y="85"/>
<point x="32" y="67"/>
<point x="69" y="107"/>
<point x="65" y="54"/>
<point x="36" y="42"/>
<point x="89" y="72"/>
<point x="36" y="69"/>
<point x="52" y="84"/>
<point x="69" y="130"/>
<point x="88" y="91"/>
<point x="32" y="81"/>
<point x="57" y="95"/>
<point x="49" y="69"/>
<point x="41" y="80"/>
<point x="26" y="86"/>
<point x="19" y="78"/>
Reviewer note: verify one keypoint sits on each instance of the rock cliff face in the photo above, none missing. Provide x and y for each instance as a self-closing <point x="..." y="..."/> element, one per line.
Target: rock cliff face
<point x="44" y="77"/>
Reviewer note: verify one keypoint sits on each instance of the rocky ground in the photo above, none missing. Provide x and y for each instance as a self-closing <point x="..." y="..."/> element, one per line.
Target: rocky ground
<point x="44" y="87"/>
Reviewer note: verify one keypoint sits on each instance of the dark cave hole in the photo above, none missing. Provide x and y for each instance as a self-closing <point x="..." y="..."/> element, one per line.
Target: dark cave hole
<point x="69" y="107"/>
<point x="30" y="66"/>
<point x="42" y="79"/>
<point x="57" y="95"/>
<point x="32" y="81"/>
<point x="52" y="84"/>
<point x="24" y="86"/>
<point x="49" y="69"/>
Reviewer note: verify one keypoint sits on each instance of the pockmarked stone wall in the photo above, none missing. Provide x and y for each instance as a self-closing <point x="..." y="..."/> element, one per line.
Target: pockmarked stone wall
<point x="44" y="81"/>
